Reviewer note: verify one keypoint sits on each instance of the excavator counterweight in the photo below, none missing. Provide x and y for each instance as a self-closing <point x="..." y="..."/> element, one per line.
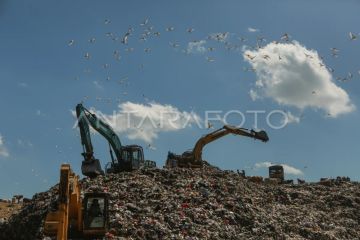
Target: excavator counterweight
<point x="193" y="158"/>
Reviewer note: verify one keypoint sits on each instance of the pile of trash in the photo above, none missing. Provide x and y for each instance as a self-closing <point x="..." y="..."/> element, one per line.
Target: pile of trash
<point x="208" y="204"/>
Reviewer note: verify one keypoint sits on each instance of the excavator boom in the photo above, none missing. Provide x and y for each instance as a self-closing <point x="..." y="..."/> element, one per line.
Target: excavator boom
<point x="69" y="205"/>
<point x="194" y="158"/>
<point x="90" y="166"/>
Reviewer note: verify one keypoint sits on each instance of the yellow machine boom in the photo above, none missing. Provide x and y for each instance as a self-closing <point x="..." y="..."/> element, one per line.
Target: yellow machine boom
<point x="69" y="207"/>
<point x="193" y="159"/>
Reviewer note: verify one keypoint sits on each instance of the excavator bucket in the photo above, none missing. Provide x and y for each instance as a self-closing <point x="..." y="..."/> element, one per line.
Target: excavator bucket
<point x="91" y="168"/>
<point x="262" y="135"/>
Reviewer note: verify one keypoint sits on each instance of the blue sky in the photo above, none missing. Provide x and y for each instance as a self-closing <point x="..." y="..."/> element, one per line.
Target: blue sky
<point x="42" y="79"/>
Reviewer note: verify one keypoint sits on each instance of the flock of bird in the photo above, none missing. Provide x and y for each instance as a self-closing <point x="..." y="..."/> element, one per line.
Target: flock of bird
<point x="129" y="39"/>
<point x="147" y="31"/>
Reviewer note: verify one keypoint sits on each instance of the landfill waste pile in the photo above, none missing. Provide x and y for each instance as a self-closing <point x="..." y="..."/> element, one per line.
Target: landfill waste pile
<point x="208" y="204"/>
<point x="7" y="209"/>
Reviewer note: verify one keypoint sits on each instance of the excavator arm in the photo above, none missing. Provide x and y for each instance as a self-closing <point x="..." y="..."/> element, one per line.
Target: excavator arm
<point x="193" y="158"/>
<point x="227" y="129"/>
<point x="84" y="133"/>
<point x="69" y="206"/>
<point x="100" y="126"/>
<point x="91" y="166"/>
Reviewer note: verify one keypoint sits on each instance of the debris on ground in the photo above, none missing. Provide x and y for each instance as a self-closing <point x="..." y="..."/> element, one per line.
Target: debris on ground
<point x="208" y="204"/>
<point x="7" y="209"/>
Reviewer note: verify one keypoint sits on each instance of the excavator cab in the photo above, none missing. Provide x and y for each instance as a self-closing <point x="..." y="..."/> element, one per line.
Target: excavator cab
<point x="95" y="214"/>
<point x="132" y="157"/>
<point x="135" y="156"/>
<point x="276" y="171"/>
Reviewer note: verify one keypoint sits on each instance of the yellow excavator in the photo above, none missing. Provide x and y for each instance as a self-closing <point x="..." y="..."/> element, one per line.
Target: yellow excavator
<point x="193" y="158"/>
<point x="77" y="217"/>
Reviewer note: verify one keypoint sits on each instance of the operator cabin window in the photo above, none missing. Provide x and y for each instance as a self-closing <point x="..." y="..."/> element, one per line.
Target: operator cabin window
<point x="94" y="214"/>
<point x="136" y="159"/>
<point x="126" y="156"/>
<point x="136" y="155"/>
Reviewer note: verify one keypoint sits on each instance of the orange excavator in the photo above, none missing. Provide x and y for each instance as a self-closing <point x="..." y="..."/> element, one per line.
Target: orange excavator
<point x="77" y="217"/>
<point x="193" y="158"/>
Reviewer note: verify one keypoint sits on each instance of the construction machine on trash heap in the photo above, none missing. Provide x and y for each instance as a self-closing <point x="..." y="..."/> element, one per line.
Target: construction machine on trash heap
<point x="77" y="217"/>
<point x="127" y="158"/>
<point x="277" y="172"/>
<point x="193" y="158"/>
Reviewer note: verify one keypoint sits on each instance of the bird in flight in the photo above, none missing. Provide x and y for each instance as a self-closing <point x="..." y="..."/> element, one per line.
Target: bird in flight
<point x="285" y="37"/>
<point x="308" y="55"/>
<point x="352" y="36"/>
<point x="242" y="39"/>
<point x="125" y="38"/>
<point x="144" y="22"/>
<point x="87" y="56"/>
<point x="267" y="57"/>
<point x="190" y="30"/>
<point x="334" y="52"/>
<point x="71" y="43"/>
<point x="330" y="69"/>
<point x="117" y="55"/>
<point x="210" y="59"/>
<point x="149" y="146"/>
<point x="174" y="45"/>
<point x="250" y="56"/>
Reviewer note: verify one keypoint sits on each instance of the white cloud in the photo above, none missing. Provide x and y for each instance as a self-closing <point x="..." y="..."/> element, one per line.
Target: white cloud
<point x="295" y="76"/>
<point x="263" y="164"/>
<point x="146" y="121"/>
<point x="3" y="150"/>
<point x="250" y="29"/>
<point x="287" y="168"/>
<point x="196" y="47"/>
